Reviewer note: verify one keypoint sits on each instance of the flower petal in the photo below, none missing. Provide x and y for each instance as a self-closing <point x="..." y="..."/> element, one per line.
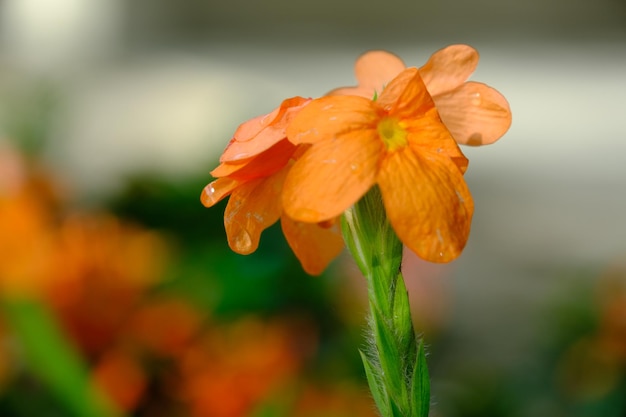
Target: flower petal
<point x="262" y="132"/>
<point x="315" y="246"/>
<point x="448" y="68"/>
<point x="475" y="113"/>
<point x="217" y="190"/>
<point x="262" y="165"/>
<point x="418" y="115"/>
<point x="249" y="129"/>
<point x="332" y="175"/>
<point x="406" y="96"/>
<point x="240" y="150"/>
<point x="252" y="208"/>
<point x="227" y="168"/>
<point x="427" y="134"/>
<point x="427" y="202"/>
<point x="328" y="117"/>
<point x="374" y="70"/>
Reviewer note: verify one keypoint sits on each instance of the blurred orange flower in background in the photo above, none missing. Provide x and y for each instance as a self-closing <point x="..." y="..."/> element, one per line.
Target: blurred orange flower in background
<point x="120" y="375"/>
<point x="474" y="113"/>
<point x="26" y="227"/>
<point x="91" y="270"/>
<point x="397" y="142"/>
<point x="339" y="400"/>
<point x="143" y="349"/>
<point x="252" y="171"/>
<point x="612" y="331"/>
<point x="594" y="365"/>
<point x="25" y="245"/>
<point x="205" y="368"/>
<point x="156" y="330"/>
<point x="232" y="369"/>
<point x="100" y="260"/>
<point x="164" y="326"/>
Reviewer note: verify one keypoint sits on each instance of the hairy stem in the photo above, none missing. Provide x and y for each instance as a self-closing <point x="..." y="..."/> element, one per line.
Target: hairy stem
<point x="394" y="362"/>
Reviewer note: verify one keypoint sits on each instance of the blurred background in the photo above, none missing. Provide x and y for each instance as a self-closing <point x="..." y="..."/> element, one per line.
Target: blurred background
<point x="120" y="295"/>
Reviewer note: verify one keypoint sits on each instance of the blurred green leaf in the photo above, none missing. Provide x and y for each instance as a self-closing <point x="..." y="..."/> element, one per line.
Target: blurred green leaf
<point x="52" y="360"/>
<point x="172" y="206"/>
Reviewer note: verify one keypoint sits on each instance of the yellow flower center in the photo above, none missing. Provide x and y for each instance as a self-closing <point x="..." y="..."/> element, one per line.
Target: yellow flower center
<point x="392" y="133"/>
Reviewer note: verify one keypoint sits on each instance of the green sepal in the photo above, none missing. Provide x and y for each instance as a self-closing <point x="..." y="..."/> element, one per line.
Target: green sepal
<point x="394" y="409"/>
<point x="420" y="385"/>
<point x="402" y="323"/>
<point x="352" y="240"/>
<point x="378" y="392"/>
<point x="390" y="362"/>
<point x="370" y="238"/>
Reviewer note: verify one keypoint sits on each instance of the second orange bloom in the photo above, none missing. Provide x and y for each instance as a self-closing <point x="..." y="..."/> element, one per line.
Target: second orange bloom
<point x="396" y="141"/>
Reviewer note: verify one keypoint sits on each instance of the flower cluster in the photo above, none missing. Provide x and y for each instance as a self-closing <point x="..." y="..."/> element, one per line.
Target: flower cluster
<point x="310" y="160"/>
<point x="98" y="278"/>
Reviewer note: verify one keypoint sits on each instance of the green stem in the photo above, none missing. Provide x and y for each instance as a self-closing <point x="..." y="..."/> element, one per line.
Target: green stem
<point x="395" y="364"/>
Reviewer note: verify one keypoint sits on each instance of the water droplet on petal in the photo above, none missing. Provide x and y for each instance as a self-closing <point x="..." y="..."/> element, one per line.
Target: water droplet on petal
<point x="240" y="155"/>
<point x="307" y="215"/>
<point x="459" y="196"/>
<point x="476" y="99"/>
<point x="217" y="190"/>
<point x="209" y="196"/>
<point x="242" y="242"/>
<point x="440" y="239"/>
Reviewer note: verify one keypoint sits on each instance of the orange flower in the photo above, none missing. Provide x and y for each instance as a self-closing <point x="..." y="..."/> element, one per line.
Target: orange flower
<point x="231" y="369"/>
<point x="474" y="113"/>
<point x="119" y="375"/>
<point x="252" y="171"/>
<point x="342" y="399"/>
<point x="101" y="261"/>
<point x="26" y="227"/>
<point x="164" y="327"/>
<point x="396" y="141"/>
